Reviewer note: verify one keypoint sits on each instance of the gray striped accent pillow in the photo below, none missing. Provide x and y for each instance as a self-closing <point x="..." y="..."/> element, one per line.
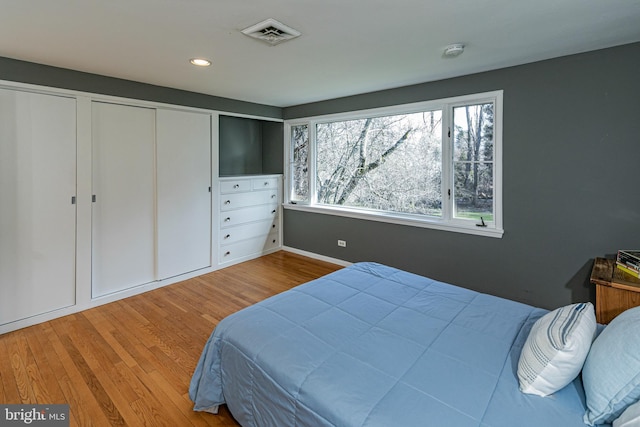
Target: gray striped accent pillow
<point x="556" y="349"/>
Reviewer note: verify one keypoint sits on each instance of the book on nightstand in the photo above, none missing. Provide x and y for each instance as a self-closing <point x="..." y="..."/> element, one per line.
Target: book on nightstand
<point x="626" y="269"/>
<point x="629" y="262"/>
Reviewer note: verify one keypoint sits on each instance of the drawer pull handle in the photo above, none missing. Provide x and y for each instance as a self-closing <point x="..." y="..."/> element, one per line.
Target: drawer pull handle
<point x="227" y="219"/>
<point x="227" y="253"/>
<point x="236" y="186"/>
<point x="227" y="202"/>
<point x="273" y="226"/>
<point x="227" y="236"/>
<point x="273" y="211"/>
<point x="266" y="183"/>
<point x="273" y="196"/>
<point x="274" y="240"/>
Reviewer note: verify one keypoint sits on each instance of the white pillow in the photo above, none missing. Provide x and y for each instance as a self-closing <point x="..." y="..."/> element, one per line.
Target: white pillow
<point x="630" y="417"/>
<point x="556" y="349"/>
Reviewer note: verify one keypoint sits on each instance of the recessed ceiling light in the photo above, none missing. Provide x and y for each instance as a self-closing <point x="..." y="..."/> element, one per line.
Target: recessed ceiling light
<point x="200" y="62"/>
<point x="453" y="50"/>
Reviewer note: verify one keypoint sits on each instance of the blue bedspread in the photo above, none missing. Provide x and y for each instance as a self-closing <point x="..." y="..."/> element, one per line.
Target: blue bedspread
<point x="370" y="345"/>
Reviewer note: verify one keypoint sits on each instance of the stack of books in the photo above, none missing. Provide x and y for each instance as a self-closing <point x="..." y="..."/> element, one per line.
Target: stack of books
<point x="629" y="262"/>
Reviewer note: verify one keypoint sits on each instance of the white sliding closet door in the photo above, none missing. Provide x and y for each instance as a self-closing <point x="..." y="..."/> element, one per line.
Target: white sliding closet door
<point x="37" y="216"/>
<point x="123" y="215"/>
<point x="184" y="196"/>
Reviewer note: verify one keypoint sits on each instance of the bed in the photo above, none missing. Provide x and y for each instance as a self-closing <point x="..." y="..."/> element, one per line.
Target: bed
<point x="371" y="345"/>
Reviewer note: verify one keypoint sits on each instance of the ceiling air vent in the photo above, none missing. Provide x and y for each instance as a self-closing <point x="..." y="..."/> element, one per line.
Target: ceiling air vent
<point x="271" y="31"/>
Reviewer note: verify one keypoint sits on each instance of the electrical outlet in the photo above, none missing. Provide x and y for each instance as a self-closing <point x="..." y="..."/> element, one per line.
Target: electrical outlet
<point x="342" y="243"/>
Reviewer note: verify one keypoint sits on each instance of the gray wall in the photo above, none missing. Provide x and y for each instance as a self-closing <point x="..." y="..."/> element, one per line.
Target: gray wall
<point x="571" y="142"/>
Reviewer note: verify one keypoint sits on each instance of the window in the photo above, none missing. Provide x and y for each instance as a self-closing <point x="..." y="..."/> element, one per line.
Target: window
<point x="433" y="164"/>
<point x="473" y="161"/>
<point x="300" y="163"/>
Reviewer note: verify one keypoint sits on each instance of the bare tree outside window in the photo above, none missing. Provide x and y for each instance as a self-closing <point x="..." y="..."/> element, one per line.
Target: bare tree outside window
<point x="391" y="163"/>
<point x="473" y="161"/>
<point x="300" y="162"/>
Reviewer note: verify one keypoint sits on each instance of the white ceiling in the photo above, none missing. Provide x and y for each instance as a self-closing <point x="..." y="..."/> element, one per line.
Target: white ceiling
<point x="347" y="46"/>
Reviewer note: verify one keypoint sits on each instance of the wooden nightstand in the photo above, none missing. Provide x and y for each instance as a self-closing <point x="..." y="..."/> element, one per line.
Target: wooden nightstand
<point x="616" y="290"/>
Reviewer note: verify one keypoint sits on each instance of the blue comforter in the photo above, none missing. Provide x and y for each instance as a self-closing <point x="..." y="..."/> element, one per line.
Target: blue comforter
<point x="370" y="345"/>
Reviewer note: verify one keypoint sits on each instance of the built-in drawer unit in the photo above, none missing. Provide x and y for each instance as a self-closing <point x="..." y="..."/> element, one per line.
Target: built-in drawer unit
<point x="250" y="215"/>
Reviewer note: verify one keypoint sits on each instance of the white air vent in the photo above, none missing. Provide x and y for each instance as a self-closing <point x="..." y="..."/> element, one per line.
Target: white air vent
<point x="271" y="31"/>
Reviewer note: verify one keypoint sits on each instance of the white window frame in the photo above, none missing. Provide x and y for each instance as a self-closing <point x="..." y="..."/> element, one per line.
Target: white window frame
<point x="446" y="222"/>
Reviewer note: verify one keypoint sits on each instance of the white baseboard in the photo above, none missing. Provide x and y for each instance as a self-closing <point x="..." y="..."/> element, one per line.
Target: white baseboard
<point x="317" y="256"/>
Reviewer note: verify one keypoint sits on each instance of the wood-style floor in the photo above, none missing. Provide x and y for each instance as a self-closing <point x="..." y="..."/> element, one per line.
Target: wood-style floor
<point x="130" y="362"/>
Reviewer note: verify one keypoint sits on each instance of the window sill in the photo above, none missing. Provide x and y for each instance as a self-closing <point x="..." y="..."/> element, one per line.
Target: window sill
<point x="398" y="219"/>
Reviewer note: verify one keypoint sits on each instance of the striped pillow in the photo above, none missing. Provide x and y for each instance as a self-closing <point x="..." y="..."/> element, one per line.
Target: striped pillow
<point x="556" y="349"/>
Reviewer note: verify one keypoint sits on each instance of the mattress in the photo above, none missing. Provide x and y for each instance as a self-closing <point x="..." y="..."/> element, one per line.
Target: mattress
<point x="371" y="345"/>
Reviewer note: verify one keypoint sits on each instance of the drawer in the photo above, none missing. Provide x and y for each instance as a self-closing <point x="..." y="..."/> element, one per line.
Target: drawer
<point x="264" y="183"/>
<point x="241" y="200"/>
<point x="235" y="186"/>
<point x="248" y="247"/>
<point x="242" y="232"/>
<point x="254" y="213"/>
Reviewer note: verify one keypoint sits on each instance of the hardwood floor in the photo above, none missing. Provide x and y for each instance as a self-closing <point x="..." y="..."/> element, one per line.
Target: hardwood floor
<point x="130" y="362"/>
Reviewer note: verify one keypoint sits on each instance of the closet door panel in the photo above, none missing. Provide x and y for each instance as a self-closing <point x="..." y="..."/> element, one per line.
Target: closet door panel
<point x="123" y="214"/>
<point x="37" y="217"/>
<point x="184" y="196"/>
